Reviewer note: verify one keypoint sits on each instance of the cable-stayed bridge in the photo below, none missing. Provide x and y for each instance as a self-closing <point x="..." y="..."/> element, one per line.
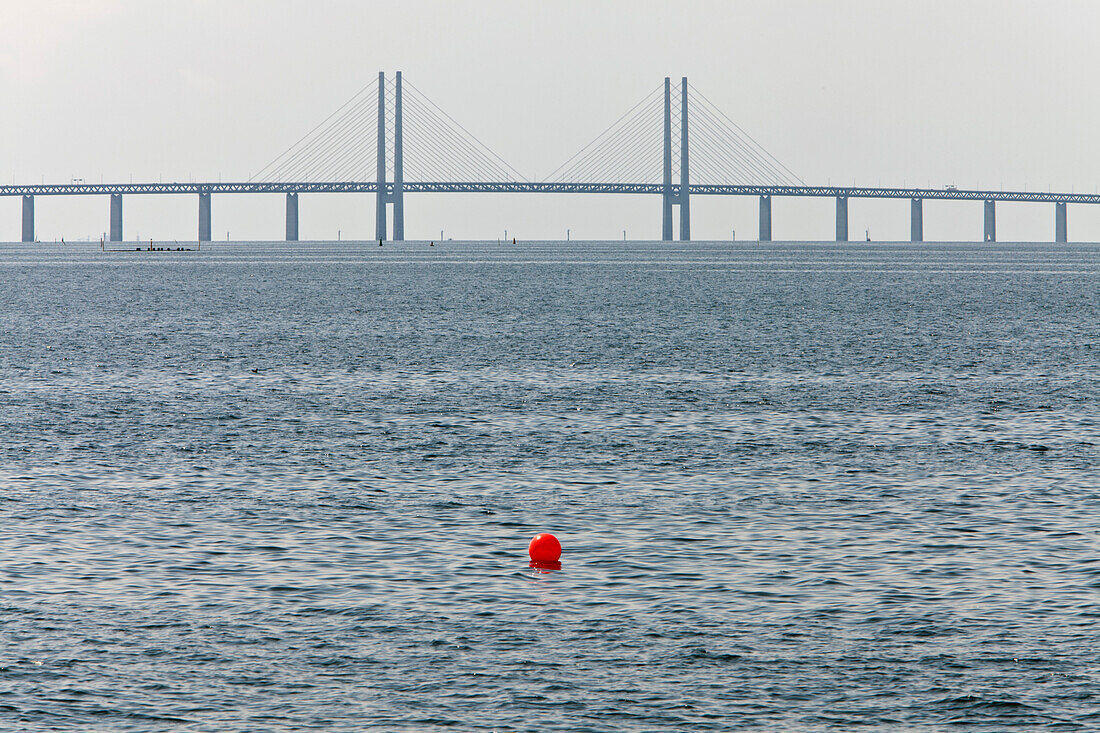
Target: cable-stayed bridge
<point x="390" y="139"/>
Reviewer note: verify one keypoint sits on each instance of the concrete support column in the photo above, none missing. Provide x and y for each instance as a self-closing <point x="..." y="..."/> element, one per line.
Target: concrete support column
<point x="916" y="220"/>
<point x="28" y="218"/>
<point x="842" y="218"/>
<point x="398" y="165"/>
<point x="765" y="218"/>
<point x="990" y="221"/>
<point x="204" y="217"/>
<point x="685" y="208"/>
<point x="116" y="217"/>
<point x="292" y="217"/>
<point x="666" y="185"/>
<point x="1061" y="232"/>
<point x="380" y="195"/>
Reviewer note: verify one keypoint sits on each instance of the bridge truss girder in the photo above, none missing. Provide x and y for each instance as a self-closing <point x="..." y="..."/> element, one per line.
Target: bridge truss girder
<point x="695" y="189"/>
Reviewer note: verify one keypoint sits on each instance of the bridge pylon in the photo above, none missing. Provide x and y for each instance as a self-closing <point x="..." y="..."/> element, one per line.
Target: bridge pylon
<point x="380" y="168"/>
<point x="398" y="196"/>
<point x="685" y="187"/>
<point x="666" y="184"/>
<point x="384" y="193"/>
<point x="669" y="196"/>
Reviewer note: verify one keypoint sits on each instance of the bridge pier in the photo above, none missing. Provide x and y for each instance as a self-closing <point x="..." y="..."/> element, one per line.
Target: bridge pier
<point x="28" y="218"/>
<point x="916" y="220"/>
<point x="842" y="218"/>
<point x="116" y="217"/>
<point x="765" y="218"/>
<point x="990" y="221"/>
<point x="204" y="217"/>
<point x="292" y="217"/>
<point x="1061" y="232"/>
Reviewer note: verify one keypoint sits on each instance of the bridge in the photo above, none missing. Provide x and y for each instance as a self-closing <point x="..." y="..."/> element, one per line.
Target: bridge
<point x="632" y="156"/>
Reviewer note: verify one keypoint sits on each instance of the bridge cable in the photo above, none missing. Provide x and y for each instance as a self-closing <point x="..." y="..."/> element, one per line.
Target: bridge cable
<point x="326" y="161"/>
<point x="322" y="161"/>
<point x="618" y="149"/>
<point x="463" y="163"/>
<point x="609" y="152"/>
<point x="753" y="142"/>
<point x="464" y="160"/>
<point x="484" y="149"/>
<point x="738" y="167"/>
<point x="596" y="139"/>
<point x="312" y="139"/>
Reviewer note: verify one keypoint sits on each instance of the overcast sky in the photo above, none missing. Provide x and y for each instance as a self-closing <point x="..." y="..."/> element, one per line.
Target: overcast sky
<point x="990" y="94"/>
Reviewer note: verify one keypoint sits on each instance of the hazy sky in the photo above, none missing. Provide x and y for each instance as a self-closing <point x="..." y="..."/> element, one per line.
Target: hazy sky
<point x="991" y="94"/>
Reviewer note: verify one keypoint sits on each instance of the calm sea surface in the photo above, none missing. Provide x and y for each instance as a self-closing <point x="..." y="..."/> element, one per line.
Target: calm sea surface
<point x="265" y="487"/>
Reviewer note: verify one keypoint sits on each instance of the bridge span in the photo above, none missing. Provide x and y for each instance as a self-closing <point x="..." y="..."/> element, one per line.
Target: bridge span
<point x="734" y="156"/>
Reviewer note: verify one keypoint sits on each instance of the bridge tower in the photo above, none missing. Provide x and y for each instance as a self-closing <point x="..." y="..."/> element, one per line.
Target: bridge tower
<point x="682" y="197"/>
<point x="666" y="184"/>
<point x="380" y="179"/>
<point x="396" y="195"/>
<point x="685" y="215"/>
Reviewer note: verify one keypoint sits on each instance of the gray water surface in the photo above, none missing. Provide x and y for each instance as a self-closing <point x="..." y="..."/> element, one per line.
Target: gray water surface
<point x="268" y="487"/>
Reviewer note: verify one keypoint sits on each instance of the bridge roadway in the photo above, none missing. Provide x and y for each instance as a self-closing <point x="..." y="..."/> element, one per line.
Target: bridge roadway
<point x="695" y="189"/>
<point x="391" y="192"/>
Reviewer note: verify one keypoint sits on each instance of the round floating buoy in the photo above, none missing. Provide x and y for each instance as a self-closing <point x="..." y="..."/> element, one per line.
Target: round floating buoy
<point x="544" y="548"/>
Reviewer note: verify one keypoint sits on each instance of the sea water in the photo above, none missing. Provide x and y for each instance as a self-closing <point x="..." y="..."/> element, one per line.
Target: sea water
<point x="271" y="487"/>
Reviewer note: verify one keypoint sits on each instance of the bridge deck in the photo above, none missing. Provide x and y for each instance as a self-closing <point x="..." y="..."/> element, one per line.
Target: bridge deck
<point x="697" y="189"/>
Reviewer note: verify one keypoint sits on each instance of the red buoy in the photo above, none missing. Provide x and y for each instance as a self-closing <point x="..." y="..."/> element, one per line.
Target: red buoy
<point x="544" y="548"/>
